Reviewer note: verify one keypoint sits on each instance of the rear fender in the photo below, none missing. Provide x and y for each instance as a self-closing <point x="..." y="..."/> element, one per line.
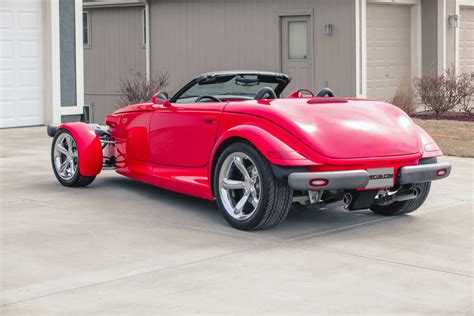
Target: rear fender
<point x="429" y="146"/>
<point x="275" y="150"/>
<point x="88" y="146"/>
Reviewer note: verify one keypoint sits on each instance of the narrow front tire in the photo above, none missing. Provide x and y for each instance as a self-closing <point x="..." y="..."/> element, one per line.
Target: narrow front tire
<point x="65" y="160"/>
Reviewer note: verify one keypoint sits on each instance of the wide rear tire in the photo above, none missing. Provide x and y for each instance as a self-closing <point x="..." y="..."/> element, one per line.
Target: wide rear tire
<point x="404" y="207"/>
<point x="65" y="160"/>
<point x="242" y="172"/>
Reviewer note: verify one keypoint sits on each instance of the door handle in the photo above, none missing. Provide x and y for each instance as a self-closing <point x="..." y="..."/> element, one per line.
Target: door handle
<point x="209" y="119"/>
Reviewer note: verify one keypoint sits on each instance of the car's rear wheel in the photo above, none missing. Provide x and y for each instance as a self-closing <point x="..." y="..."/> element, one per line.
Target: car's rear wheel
<point x="404" y="207"/>
<point x="65" y="160"/>
<point x="248" y="194"/>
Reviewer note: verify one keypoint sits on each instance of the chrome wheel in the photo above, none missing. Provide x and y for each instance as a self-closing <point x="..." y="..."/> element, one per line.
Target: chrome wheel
<point x="239" y="186"/>
<point x="65" y="156"/>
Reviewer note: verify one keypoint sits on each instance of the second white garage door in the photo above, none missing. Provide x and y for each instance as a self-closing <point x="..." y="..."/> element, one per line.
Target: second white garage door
<point x="21" y="73"/>
<point x="466" y="39"/>
<point x="388" y="49"/>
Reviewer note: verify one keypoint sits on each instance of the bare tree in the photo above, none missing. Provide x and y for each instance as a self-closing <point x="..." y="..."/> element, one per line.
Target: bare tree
<point x="139" y="89"/>
<point x="404" y="99"/>
<point x="445" y="92"/>
<point x="467" y="105"/>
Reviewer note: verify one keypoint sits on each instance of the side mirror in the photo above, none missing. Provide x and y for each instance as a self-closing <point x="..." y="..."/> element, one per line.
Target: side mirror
<point x="161" y="98"/>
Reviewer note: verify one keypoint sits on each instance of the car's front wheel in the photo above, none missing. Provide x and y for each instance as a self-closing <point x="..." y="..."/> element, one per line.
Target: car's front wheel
<point x="65" y="160"/>
<point x="248" y="194"/>
<point x="404" y="207"/>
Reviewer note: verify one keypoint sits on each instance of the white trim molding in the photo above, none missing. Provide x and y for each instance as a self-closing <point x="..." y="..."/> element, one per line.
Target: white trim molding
<point x="441" y="36"/>
<point x="52" y="73"/>
<point x="147" y="44"/>
<point x="361" y="48"/>
<point x="416" y="40"/>
<point x="363" y="44"/>
<point x="52" y="100"/>
<point x="79" y="107"/>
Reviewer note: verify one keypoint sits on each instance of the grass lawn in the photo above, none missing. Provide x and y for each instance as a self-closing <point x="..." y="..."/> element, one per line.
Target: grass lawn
<point x="455" y="138"/>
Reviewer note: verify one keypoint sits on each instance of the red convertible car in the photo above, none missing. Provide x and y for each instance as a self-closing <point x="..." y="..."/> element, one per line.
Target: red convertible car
<point x="229" y="136"/>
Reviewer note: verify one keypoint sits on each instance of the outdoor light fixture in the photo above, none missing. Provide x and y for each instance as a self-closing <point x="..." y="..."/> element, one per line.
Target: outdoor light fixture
<point x="328" y="29"/>
<point x="453" y="20"/>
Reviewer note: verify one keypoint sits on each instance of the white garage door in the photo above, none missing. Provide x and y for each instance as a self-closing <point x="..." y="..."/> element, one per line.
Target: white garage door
<point x="21" y="87"/>
<point x="466" y="39"/>
<point x="388" y="49"/>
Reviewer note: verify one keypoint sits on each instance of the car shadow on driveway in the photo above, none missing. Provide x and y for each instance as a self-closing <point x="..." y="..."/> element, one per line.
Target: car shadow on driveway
<point x="128" y="195"/>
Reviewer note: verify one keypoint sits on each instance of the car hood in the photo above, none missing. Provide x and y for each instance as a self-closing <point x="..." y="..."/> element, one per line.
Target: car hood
<point x="340" y="128"/>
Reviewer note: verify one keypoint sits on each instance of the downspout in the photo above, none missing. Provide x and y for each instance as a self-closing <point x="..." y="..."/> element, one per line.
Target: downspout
<point x="147" y="38"/>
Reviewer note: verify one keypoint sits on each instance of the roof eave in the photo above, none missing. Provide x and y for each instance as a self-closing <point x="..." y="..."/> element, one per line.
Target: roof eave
<point x="116" y="3"/>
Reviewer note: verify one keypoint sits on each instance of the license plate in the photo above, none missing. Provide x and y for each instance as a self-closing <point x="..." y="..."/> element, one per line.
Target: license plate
<point x="380" y="178"/>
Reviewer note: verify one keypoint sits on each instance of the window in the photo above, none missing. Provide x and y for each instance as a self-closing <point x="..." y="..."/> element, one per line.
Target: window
<point x="297" y="40"/>
<point x="144" y="26"/>
<point x="85" y="29"/>
<point x="233" y="86"/>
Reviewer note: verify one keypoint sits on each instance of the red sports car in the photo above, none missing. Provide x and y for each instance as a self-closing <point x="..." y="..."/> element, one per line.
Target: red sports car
<point x="229" y="136"/>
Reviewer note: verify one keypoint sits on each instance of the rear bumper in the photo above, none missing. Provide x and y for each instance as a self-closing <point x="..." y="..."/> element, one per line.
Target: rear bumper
<point x="424" y="173"/>
<point x="350" y="179"/>
<point x="355" y="179"/>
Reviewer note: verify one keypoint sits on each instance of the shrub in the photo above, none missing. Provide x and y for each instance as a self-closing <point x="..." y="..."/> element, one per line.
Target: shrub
<point x="139" y="89"/>
<point x="467" y="105"/>
<point x="405" y="99"/>
<point x="445" y="92"/>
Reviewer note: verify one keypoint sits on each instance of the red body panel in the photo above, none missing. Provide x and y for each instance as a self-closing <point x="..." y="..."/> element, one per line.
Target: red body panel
<point x="175" y="147"/>
<point x="184" y="134"/>
<point x="89" y="147"/>
<point x="355" y="129"/>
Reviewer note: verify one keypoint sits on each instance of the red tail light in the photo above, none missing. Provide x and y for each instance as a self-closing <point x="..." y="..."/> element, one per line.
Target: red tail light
<point x="318" y="182"/>
<point x="441" y="172"/>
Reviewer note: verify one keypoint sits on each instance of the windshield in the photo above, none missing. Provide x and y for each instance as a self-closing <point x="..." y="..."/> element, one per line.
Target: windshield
<point x="233" y="86"/>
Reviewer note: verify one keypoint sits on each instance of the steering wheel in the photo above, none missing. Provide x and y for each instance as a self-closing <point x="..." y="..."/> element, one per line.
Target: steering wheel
<point x="263" y="92"/>
<point x="205" y="96"/>
<point x="325" y="92"/>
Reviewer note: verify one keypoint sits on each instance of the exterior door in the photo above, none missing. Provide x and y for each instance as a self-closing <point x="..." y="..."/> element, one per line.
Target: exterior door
<point x="184" y="134"/>
<point x="296" y="51"/>
<point x="388" y="49"/>
<point x="21" y="63"/>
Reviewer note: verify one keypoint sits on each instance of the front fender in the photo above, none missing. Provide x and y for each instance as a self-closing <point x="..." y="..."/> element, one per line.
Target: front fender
<point x="275" y="150"/>
<point x="88" y="146"/>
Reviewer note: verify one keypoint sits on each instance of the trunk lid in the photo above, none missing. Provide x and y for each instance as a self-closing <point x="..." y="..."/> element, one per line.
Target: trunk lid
<point x="346" y="129"/>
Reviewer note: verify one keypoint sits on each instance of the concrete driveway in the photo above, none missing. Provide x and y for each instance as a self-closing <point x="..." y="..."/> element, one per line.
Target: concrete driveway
<point x="120" y="246"/>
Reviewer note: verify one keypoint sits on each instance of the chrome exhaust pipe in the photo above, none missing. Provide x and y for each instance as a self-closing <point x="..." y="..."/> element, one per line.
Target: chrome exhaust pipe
<point x="398" y="197"/>
<point x="344" y="202"/>
<point x="347" y="199"/>
<point x="407" y="196"/>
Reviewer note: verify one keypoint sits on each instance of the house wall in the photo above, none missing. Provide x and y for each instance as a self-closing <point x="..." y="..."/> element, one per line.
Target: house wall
<point x="190" y="37"/>
<point x="116" y="53"/>
<point x="429" y="11"/>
